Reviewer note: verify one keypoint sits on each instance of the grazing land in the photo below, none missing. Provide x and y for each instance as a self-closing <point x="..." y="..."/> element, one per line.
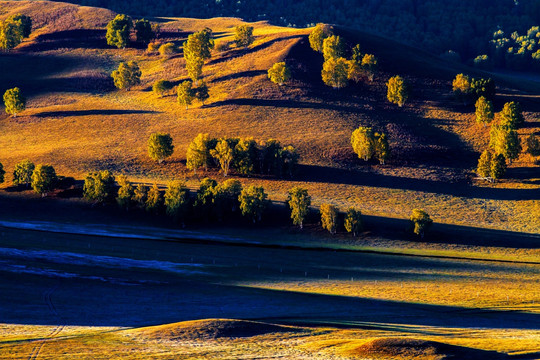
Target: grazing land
<point x="80" y="280"/>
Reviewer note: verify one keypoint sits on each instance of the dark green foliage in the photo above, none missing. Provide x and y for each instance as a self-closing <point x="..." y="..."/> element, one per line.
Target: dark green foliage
<point x="177" y="201"/>
<point x="24" y="24"/>
<point x="22" y="175"/>
<point x="299" y="202"/>
<point x="226" y="197"/>
<point x="201" y="92"/>
<point x="204" y="203"/>
<point x="118" y="31"/>
<point x="160" y="147"/>
<point x="243" y="35"/>
<point x="161" y="86"/>
<point x="13" y="30"/>
<point x="511" y="115"/>
<point x="2" y="173"/>
<point x="504" y="140"/>
<point x="144" y="31"/>
<point x="14" y="101"/>
<point x="245" y="156"/>
<point x="420" y="222"/>
<point x="253" y="202"/>
<point x="483" y="87"/>
<point x="127" y="75"/>
<point x="533" y="145"/>
<point x="44" y="179"/>
<point x="99" y="186"/>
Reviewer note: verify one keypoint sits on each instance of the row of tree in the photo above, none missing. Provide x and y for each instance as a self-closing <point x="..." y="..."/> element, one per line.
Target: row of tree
<point x="13" y="30"/>
<point x="42" y="178"/>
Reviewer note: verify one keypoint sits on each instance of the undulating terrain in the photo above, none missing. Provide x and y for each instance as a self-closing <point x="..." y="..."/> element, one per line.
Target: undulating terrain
<point x="85" y="281"/>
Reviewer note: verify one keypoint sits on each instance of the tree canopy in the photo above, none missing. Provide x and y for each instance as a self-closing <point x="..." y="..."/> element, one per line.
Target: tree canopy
<point x="14" y="101"/>
<point x="243" y="35"/>
<point x="317" y="36"/>
<point x="99" y="186"/>
<point x="160" y="146"/>
<point x="335" y="72"/>
<point x="118" y="31"/>
<point x="127" y="75"/>
<point x="420" y="221"/>
<point x="398" y="90"/>
<point x="43" y="179"/>
<point x="253" y="202"/>
<point x="299" y="202"/>
<point x="22" y="174"/>
<point x="279" y="73"/>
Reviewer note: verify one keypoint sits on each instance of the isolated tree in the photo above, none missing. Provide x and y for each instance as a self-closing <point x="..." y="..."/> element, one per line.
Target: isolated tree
<point x="369" y="65"/>
<point x="461" y="86"/>
<point x="185" y="93"/>
<point x="160" y="146"/>
<point x="398" y="90"/>
<point x="22" y="175"/>
<point x="127" y="75"/>
<point x="484" y="111"/>
<point x="2" y="173"/>
<point x="253" y="202"/>
<point x="279" y="73"/>
<point x="144" y="31"/>
<point x="362" y="141"/>
<point x="329" y="218"/>
<point x="177" y="201"/>
<point x="299" y="202"/>
<point x="197" y="153"/>
<point x="511" y="115"/>
<point x="23" y="23"/>
<point x="333" y="47"/>
<point x="154" y="200"/>
<point x="10" y="35"/>
<point x="353" y="221"/>
<point x="99" y="186"/>
<point x="140" y="194"/>
<point x="335" y="72"/>
<point x="317" y="36"/>
<point x="243" y="35"/>
<point x="533" y="145"/>
<point x="118" y="31"/>
<point x="245" y="156"/>
<point x="201" y="92"/>
<point x="381" y="147"/>
<point x="224" y="154"/>
<point x="420" y="222"/>
<point x="161" y="86"/>
<point x="167" y="49"/>
<point x="197" y="48"/>
<point x="14" y="101"/>
<point x="504" y="140"/>
<point x="43" y="179"/>
<point x="126" y="193"/>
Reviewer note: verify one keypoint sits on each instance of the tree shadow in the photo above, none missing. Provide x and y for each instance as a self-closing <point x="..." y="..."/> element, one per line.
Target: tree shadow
<point x="288" y="104"/>
<point x="69" y="39"/>
<point x="251" y="73"/>
<point x="68" y="113"/>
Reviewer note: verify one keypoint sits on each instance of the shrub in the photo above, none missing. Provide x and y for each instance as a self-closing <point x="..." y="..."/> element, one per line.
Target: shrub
<point x="253" y="202"/>
<point x="127" y="75"/>
<point x="23" y="23"/>
<point x="226" y="197"/>
<point x="118" y="31"/>
<point x="14" y="101"/>
<point x="329" y="218"/>
<point x="533" y="145"/>
<point x="279" y="73"/>
<point x="420" y="222"/>
<point x="160" y="146"/>
<point x="22" y="175"/>
<point x="353" y="221"/>
<point x="381" y="147"/>
<point x="204" y="203"/>
<point x="299" y="202"/>
<point x="43" y="179"/>
<point x="168" y="49"/>
<point x="461" y="86"/>
<point x="482" y="62"/>
<point x="161" y="86"/>
<point x="99" y="186"/>
<point x="398" y="90"/>
<point x="243" y="35"/>
<point x="153" y="47"/>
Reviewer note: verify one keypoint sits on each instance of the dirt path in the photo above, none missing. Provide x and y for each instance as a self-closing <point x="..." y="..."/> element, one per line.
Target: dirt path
<point x="55" y="332"/>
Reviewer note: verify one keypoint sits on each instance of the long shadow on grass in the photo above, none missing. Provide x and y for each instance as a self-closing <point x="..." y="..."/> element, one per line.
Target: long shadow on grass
<point x="326" y="174"/>
<point x="92" y="112"/>
<point x="288" y="104"/>
<point x="239" y="75"/>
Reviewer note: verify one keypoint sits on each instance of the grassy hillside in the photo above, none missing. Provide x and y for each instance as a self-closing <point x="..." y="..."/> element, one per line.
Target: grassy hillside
<point x="78" y="122"/>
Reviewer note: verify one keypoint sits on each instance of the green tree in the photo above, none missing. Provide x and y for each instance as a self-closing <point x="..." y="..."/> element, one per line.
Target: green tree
<point x="504" y="140"/>
<point x="461" y="86"/>
<point x="127" y="75"/>
<point x="201" y="92"/>
<point x="279" y="73"/>
<point x="2" y="173"/>
<point x="533" y="145"/>
<point x="23" y="23"/>
<point x="226" y="197"/>
<point x="197" y="153"/>
<point x="299" y="202"/>
<point x="140" y="195"/>
<point x="161" y="86"/>
<point x="99" y="186"/>
<point x="329" y="218"/>
<point x="154" y="200"/>
<point x="511" y="115"/>
<point x="484" y="111"/>
<point x="317" y="36"/>
<point x="204" y="203"/>
<point x="126" y="193"/>
<point x="43" y="179"/>
<point x="498" y="166"/>
<point x="484" y="164"/>
<point x="10" y="35"/>
<point x="253" y="202"/>
<point x="381" y="147"/>
<point x="335" y="72"/>
<point x="245" y="156"/>
<point x="224" y="154"/>
<point x="353" y="221"/>
<point x="420" y="222"/>
<point x="243" y="35"/>
<point x="14" y="101"/>
<point x="362" y="141"/>
<point x="118" y="31"/>
<point x="160" y="146"/>
<point x="22" y="175"/>
<point x="197" y="48"/>
<point x="177" y="201"/>
<point x="144" y="31"/>
<point x="398" y="90"/>
<point x="333" y="47"/>
<point x="185" y="93"/>
<point x="369" y="65"/>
